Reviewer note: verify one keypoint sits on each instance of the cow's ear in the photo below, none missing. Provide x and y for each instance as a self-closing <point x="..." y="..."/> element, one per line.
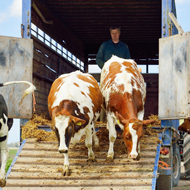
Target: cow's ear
<point x="78" y="121"/>
<point x="121" y="119"/>
<point x="147" y="122"/>
<point x="136" y="124"/>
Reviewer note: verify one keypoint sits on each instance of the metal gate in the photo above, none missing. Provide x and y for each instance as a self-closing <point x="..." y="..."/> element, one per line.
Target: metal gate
<point x="174" y="77"/>
<point x="16" y="58"/>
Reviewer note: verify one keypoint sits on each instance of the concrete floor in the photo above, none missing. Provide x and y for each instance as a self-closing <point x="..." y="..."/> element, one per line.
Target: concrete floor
<point x="183" y="184"/>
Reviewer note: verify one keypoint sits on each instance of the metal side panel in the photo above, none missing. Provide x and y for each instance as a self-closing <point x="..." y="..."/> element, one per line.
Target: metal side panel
<point x="16" y="61"/>
<point x="155" y="172"/>
<point x="174" y="77"/>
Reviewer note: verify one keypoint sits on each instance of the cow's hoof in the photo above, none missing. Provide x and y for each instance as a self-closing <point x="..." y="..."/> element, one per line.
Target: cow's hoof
<point x="66" y="171"/>
<point x="2" y="183"/>
<point x="109" y="159"/>
<point x="138" y="157"/>
<point x="91" y="160"/>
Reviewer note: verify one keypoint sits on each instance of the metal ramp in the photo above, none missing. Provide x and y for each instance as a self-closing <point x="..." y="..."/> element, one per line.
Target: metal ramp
<point x="39" y="166"/>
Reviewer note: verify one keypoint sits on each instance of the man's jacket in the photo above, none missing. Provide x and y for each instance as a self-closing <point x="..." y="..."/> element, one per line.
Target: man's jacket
<point x="108" y="48"/>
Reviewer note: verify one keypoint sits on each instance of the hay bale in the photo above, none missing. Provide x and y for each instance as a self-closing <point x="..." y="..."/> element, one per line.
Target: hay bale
<point x="155" y="117"/>
<point x="149" y="130"/>
<point x="30" y="129"/>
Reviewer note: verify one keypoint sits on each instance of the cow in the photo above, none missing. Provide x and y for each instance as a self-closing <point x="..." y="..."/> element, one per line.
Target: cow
<point x="5" y="126"/>
<point x="74" y="104"/>
<point x="124" y="93"/>
<point x="185" y="126"/>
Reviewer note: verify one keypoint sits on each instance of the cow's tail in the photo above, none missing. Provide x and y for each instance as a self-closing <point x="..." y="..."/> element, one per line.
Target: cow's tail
<point x="26" y="92"/>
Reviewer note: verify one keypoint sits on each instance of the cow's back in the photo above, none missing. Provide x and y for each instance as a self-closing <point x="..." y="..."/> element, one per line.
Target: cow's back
<point x="80" y="88"/>
<point x="121" y="76"/>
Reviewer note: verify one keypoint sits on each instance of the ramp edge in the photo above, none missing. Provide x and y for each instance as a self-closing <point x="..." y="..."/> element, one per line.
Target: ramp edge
<point x="15" y="158"/>
<point x="155" y="173"/>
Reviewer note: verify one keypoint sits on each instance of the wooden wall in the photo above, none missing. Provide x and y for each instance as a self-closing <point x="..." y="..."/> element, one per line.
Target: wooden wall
<point x="58" y="31"/>
<point x="47" y="66"/>
<point x="47" y="63"/>
<point x="151" y="104"/>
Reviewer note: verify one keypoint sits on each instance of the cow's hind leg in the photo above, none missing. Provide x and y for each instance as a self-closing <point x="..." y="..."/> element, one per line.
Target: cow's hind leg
<point x="112" y="137"/>
<point x="4" y="157"/>
<point x="96" y="142"/>
<point x="96" y="139"/>
<point x="88" y="143"/>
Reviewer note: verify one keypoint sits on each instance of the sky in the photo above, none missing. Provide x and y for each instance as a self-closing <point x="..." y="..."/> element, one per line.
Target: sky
<point x="10" y="25"/>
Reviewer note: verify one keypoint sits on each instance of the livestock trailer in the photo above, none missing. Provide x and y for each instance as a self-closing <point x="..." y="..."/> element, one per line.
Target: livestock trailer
<point x="61" y="36"/>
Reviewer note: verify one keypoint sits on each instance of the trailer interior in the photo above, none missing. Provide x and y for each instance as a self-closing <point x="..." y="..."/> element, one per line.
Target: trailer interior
<point x="67" y="35"/>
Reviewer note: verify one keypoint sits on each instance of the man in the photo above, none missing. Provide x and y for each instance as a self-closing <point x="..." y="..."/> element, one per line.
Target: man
<point x="112" y="47"/>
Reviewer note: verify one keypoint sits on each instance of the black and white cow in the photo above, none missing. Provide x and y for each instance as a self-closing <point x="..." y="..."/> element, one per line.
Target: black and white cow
<point x="5" y="126"/>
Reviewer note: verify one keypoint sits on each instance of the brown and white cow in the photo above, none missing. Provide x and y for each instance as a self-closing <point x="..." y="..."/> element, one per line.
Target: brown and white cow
<point x="185" y="126"/>
<point x="124" y="93"/>
<point x="74" y="103"/>
<point x="5" y="126"/>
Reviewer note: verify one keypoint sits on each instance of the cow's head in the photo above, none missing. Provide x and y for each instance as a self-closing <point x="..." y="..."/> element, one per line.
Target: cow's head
<point x="133" y="131"/>
<point x="65" y="128"/>
<point x="185" y="126"/>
